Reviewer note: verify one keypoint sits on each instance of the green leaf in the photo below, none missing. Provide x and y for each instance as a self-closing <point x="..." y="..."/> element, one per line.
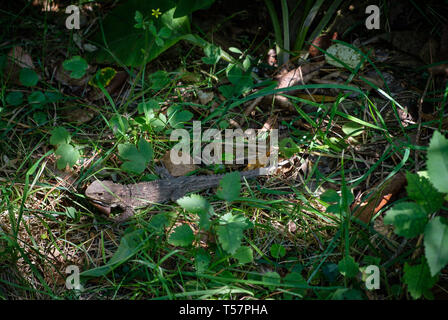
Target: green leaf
<point x="36" y="99"/>
<point x="159" y="80"/>
<point x="348" y="267"/>
<point x="229" y="186"/>
<point x="408" y="218"/>
<point x="40" y="117"/>
<point x="419" y="280"/>
<point x="138" y="19"/>
<point x="14" y="98"/>
<point x="295" y="278"/>
<point x="230" y="231"/>
<point x="422" y="191"/>
<point x="135" y="160"/>
<point x="145" y="149"/>
<point x="60" y="135"/>
<point x="288" y="147"/>
<point x="103" y="77"/>
<point x="352" y="128"/>
<point x="70" y="212"/>
<point x="278" y="251"/>
<point x="244" y="255"/>
<point x="212" y="54"/>
<point x="437" y="162"/>
<point x="194" y="204"/>
<point x="330" y="196"/>
<point x="77" y="65"/>
<point x="133" y="46"/>
<point x="158" y="223"/>
<point x="130" y="244"/>
<point x="182" y="236"/>
<point x="177" y="116"/>
<point x="164" y="32"/>
<point x="201" y="260"/>
<point x="148" y="108"/>
<point x="330" y="271"/>
<point x="271" y="279"/>
<point x="28" y="77"/>
<point x="119" y="125"/>
<point x="347" y="294"/>
<point x="68" y="156"/>
<point x="185" y="7"/>
<point x="436" y="244"/>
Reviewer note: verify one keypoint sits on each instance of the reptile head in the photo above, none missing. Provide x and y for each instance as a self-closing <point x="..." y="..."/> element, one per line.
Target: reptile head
<point x="103" y="192"/>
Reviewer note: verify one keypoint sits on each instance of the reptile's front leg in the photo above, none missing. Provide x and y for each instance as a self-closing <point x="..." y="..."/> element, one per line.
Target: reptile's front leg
<point x="125" y="215"/>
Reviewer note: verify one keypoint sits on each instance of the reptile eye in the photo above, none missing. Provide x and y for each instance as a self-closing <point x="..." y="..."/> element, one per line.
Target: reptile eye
<point x="100" y="194"/>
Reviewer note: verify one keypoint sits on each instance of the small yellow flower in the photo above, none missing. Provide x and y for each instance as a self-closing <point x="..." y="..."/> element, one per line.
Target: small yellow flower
<point x="156" y="12"/>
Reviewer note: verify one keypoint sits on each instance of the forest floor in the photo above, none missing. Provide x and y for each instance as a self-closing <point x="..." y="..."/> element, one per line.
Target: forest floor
<point x="350" y="140"/>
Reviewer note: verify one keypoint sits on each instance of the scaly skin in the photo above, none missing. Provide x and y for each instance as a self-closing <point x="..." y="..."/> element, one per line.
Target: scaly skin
<point x="107" y="194"/>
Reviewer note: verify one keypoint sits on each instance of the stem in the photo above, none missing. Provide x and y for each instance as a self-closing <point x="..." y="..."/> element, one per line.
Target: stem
<point x="276" y="25"/>
<point x="285" y="17"/>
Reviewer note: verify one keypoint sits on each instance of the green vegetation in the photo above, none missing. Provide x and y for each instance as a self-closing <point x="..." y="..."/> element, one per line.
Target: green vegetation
<point x="297" y="234"/>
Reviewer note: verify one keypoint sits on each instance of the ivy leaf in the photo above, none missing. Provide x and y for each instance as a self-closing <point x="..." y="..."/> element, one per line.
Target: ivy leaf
<point x="68" y="156"/>
<point x="60" y="135"/>
<point x="419" y="280"/>
<point x="28" y="77"/>
<point x="408" y="218"/>
<point x="182" y="236"/>
<point x="229" y="186"/>
<point x="436" y="244"/>
<point x="348" y="267"/>
<point x="77" y="65"/>
<point x="437" y="162"/>
<point x="230" y="231"/>
<point x="136" y="160"/>
<point x="422" y="191"/>
<point x="244" y="255"/>
<point x="14" y="98"/>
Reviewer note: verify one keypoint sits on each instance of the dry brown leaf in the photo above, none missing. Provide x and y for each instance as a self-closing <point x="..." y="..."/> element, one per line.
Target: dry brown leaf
<point x="323" y="42"/>
<point x="115" y="84"/>
<point x="76" y="114"/>
<point x="17" y="60"/>
<point x="177" y="170"/>
<point x="205" y="97"/>
<point x="366" y="210"/>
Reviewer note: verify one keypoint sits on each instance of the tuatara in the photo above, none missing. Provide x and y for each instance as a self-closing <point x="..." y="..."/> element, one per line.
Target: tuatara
<point x="107" y="194"/>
